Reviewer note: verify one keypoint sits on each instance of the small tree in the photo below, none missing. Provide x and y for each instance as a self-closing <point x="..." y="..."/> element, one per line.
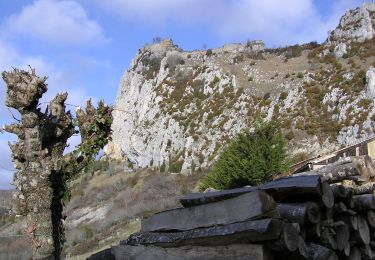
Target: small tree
<point x="250" y="159"/>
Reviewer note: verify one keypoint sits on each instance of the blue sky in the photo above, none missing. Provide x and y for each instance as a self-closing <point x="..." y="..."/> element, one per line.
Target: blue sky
<point x="84" y="46"/>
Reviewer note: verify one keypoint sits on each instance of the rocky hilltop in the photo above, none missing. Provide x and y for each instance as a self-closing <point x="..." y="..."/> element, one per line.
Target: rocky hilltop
<point x="175" y="110"/>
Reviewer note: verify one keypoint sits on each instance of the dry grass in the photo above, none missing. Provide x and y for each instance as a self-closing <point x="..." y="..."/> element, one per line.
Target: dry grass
<point x="127" y="197"/>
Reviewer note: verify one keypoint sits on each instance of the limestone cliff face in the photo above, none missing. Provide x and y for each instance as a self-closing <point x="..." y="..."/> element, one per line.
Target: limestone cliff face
<point x="355" y="25"/>
<point x="176" y="110"/>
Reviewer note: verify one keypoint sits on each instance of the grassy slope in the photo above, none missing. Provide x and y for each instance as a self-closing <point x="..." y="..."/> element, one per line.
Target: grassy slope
<point x="118" y="199"/>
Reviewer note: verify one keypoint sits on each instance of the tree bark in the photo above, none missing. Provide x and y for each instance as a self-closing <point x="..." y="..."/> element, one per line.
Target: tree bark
<point x="359" y="168"/>
<point x="289" y="240"/>
<point x="41" y="183"/>
<point x="300" y="213"/>
<point x="42" y="138"/>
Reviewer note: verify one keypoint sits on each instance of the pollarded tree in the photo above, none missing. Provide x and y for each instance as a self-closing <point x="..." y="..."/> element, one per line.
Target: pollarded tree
<point x="43" y="172"/>
<point x="250" y="159"/>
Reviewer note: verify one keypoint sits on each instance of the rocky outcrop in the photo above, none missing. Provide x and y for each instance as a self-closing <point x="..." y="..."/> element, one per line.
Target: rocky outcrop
<point x="370" y="83"/>
<point x="340" y="50"/>
<point x="176" y="110"/>
<point x="356" y="25"/>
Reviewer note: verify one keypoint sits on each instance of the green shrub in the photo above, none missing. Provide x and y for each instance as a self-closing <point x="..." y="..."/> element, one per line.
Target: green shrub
<point x="250" y="159"/>
<point x="290" y="135"/>
<point x="239" y="58"/>
<point x="176" y="166"/>
<point x="283" y="95"/>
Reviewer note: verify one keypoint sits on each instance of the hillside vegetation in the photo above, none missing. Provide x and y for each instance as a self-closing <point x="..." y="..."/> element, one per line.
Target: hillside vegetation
<point x="177" y="109"/>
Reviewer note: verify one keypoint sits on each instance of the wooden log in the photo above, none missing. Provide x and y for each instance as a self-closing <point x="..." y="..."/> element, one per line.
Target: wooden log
<point x="371" y="219"/>
<point x="242" y="232"/>
<point x="289" y="189"/>
<point x="347" y="249"/>
<point x="349" y="184"/>
<point x="288" y="240"/>
<point x="354" y="222"/>
<point x="245" y="207"/>
<point x="366" y="252"/>
<point x="313" y="232"/>
<point x="340" y="192"/>
<point x="360" y="168"/>
<point x="328" y="213"/>
<point x="328" y="238"/>
<point x="355" y="254"/>
<point x="318" y="252"/>
<point x="333" y="174"/>
<point x="229" y="252"/>
<point x="299" y="212"/>
<point x="327" y="195"/>
<point x="366" y="166"/>
<point x="341" y="208"/>
<point x="363" y="202"/>
<point x="302" y="247"/>
<point x="350" y="203"/>
<point x="366" y="188"/>
<point x="300" y="253"/>
<point x="363" y="232"/>
<point x="342" y="235"/>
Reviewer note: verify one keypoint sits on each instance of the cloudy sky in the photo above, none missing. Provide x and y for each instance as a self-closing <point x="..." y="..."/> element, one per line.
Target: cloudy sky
<point x="84" y="46"/>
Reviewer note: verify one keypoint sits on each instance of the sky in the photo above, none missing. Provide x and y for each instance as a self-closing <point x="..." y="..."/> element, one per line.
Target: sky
<point x="85" y="46"/>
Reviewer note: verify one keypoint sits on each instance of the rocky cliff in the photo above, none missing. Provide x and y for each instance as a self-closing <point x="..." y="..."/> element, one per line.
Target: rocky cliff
<point x="175" y="110"/>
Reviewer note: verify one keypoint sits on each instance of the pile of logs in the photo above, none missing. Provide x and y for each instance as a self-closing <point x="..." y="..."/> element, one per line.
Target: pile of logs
<point x="323" y="214"/>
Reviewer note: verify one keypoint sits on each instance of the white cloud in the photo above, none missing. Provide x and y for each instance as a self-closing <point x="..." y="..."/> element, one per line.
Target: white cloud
<point x="58" y="22"/>
<point x="276" y="22"/>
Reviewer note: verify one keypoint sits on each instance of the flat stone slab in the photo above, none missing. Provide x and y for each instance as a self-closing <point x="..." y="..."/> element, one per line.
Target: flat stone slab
<point x="196" y="198"/>
<point x="245" y="207"/>
<point x="230" y="252"/>
<point x="243" y="232"/>
<point x="288" y="189"/>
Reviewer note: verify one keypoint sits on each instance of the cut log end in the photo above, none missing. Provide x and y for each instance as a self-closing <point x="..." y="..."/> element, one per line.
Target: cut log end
<point x="327" y="195"/>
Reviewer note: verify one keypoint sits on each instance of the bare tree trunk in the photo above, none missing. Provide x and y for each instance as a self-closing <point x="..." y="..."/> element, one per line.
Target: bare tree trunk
<point x="42" y="139"/>
<point x="42" y="170"/>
